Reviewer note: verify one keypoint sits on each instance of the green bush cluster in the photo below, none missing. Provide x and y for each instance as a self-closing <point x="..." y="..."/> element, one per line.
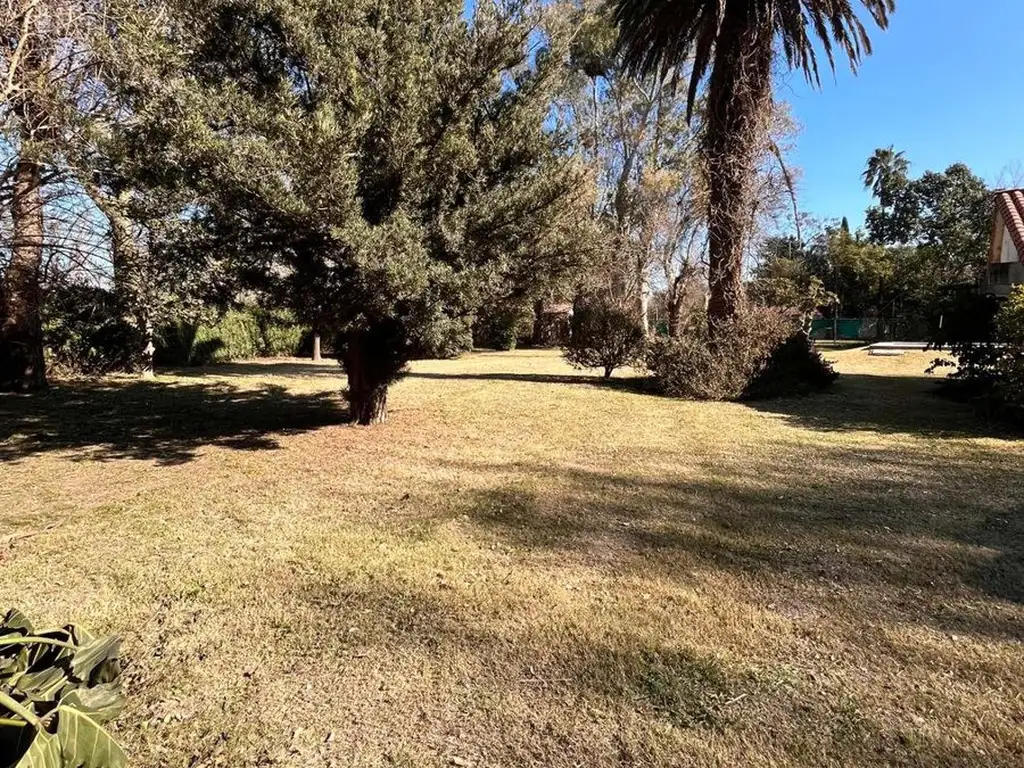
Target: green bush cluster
<point x="988" y="357"/>
<point x="1009" y="388"/>
<point x="762" y="352"/>
<point x="84" y="332"/>
<point x="239" y="334"/>
<point x="603" y="335"/>
<point x="503" y="326"/>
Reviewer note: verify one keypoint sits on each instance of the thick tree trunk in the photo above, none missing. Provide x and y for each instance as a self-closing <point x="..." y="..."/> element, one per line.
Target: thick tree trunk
<point x="316" y="348"/>
<point x="131" y="274"/>
<point x="739" y="101"/>
<point x="675" y="316"/>
<point x="22" y="368"/>
<point x="367" y="384"/>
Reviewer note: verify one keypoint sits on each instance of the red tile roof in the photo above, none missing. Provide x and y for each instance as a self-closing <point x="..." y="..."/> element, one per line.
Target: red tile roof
<point x="1010" y="204"/>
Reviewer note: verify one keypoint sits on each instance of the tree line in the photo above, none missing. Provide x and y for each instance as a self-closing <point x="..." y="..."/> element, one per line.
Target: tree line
<point x="388" y="171"/>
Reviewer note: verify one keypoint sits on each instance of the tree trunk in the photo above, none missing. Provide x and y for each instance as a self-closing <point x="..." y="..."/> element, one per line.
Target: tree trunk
<point x="538" y="323"/>
<point x="132" y="277"/>
<point x="675" y="316"/>
<point x="367" y="384"/>
<point x="316" y="348"/>
<point x="146" y="365"/>
<point x="643" y="299"/>
<point x="22" y="368"/>
<point x="739" y="100"/>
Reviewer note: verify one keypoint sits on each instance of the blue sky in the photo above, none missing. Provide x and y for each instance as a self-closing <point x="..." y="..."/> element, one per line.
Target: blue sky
<point x="945" y="84"/>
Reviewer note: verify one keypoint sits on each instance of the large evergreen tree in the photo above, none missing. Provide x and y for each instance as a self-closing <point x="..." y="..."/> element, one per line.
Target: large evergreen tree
<point x="388" y="162"/>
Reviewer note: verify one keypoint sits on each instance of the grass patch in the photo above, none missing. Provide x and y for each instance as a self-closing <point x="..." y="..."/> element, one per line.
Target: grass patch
<point x="529" y="567"/>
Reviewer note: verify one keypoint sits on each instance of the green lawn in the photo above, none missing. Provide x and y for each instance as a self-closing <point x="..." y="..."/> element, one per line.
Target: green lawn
<point x="527" y="566"/>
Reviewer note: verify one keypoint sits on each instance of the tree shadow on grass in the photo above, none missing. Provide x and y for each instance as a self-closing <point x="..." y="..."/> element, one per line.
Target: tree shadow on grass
<point x="166" y="423"/>
<point x="288" y="368"/>
<point x="884" y="404"/>
<point x="374" y="631"/>
<point x="626" y="384"/>
<point x="891" y="534"/>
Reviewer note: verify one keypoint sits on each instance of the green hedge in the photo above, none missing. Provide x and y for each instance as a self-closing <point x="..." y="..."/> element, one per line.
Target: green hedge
<point x="239" y="334"/>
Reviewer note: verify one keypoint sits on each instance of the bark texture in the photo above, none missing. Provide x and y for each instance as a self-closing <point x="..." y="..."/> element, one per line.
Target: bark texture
<point x="739" y="99"/>
<point x="371" y="365"/>
<point x="22" y="368"/>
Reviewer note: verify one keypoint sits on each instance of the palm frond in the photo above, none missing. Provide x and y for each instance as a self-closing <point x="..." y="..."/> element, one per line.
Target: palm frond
<point x="659" y="34"/>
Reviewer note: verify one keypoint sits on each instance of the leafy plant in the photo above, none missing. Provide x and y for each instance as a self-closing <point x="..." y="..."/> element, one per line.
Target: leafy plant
<point x="605" y="336"/>
<point x="58" y="688"/>
<point x="761" y="352"/>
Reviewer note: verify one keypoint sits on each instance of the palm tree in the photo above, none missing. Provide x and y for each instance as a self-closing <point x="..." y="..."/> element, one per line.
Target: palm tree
<point x="734" y="41"/>
<point x="886" y="170"/>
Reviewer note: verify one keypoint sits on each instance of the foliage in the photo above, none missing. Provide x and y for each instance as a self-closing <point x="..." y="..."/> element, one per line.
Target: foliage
<point x="947" y="216"/>
<point x="58" y="688"/>
<point x="502" y="326"/>
<point x="84" y="332"/>
<point x="761" y="352"/>
<point x="732" y="45"/>
<point x="781" y="281"/>
<point x="964" y="323"/>
<point x="603" y="335"/>
<point x="239" y="334"/>
<point x="1009" y="390"/>
<point x="794" y="367"/>
<point x="390" y="164"/>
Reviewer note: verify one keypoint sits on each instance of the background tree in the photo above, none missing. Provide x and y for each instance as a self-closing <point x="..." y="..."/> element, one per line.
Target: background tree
<point x="734" y="41"/>
<point x="45" y="71"/>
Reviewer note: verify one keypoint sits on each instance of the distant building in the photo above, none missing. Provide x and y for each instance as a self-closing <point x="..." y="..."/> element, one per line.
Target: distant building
<point x="1004" y="258"/>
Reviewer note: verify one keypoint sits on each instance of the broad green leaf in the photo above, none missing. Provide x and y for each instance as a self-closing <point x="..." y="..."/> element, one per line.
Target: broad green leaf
<point x="44" y="752"/>
<point x="15" y="621"/>
<point x="102" y="702"/>
<point x="92" y="655"/>
<point x="84" y="743"/>
<point x="44" y="685"/>
<point x="79" y="635"/>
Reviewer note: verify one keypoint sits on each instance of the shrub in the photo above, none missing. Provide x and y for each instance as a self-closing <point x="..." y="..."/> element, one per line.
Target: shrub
<point x="501" y="327"/>
<point x="238" y="335"/>
<point x="84" y="332"/>
<point x="279" y="334"/>
<point x="1009" y="387"/>
<point x="603" y="335"/>
<point x="964" y="322"/>
<point x="57" y="689"/>
<point x="794" y="367"/>
<point x="762" y="352"/>
<point x="443" y="339"/>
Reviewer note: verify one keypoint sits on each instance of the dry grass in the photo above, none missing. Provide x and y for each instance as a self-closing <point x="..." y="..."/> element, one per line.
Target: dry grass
<point x="526" y="567"/>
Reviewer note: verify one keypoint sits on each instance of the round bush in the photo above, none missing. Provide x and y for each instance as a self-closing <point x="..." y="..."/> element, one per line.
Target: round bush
<point x="603" y="335"/>
<point x="759" y="353"/>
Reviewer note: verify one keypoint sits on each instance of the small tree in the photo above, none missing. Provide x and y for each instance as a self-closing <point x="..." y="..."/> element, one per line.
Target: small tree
<point x="604" y="336"/>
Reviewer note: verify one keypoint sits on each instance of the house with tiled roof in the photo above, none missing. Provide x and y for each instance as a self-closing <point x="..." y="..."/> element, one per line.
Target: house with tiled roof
<point x="1005" y="269"/>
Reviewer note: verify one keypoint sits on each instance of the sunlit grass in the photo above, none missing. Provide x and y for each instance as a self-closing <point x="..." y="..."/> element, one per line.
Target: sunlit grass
<point x="528" y="567"/>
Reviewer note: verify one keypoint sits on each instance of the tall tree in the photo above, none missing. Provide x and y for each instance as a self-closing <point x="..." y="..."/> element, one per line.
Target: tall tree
<point x="734" y="42"/>
<point x="390" y="161"/>
<point x="886" y="173"/>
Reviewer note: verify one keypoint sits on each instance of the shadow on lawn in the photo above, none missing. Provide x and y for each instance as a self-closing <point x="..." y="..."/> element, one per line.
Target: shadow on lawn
<point x="892" y="535"/>
<point x="166" y="423"/>
<point x="288" y="369"/>
<point x="629" y="384"/>
<point x="885" y="404"/>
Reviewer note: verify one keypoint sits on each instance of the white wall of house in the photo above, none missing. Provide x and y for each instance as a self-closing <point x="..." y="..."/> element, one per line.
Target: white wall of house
<point x="1009" y="251"/>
